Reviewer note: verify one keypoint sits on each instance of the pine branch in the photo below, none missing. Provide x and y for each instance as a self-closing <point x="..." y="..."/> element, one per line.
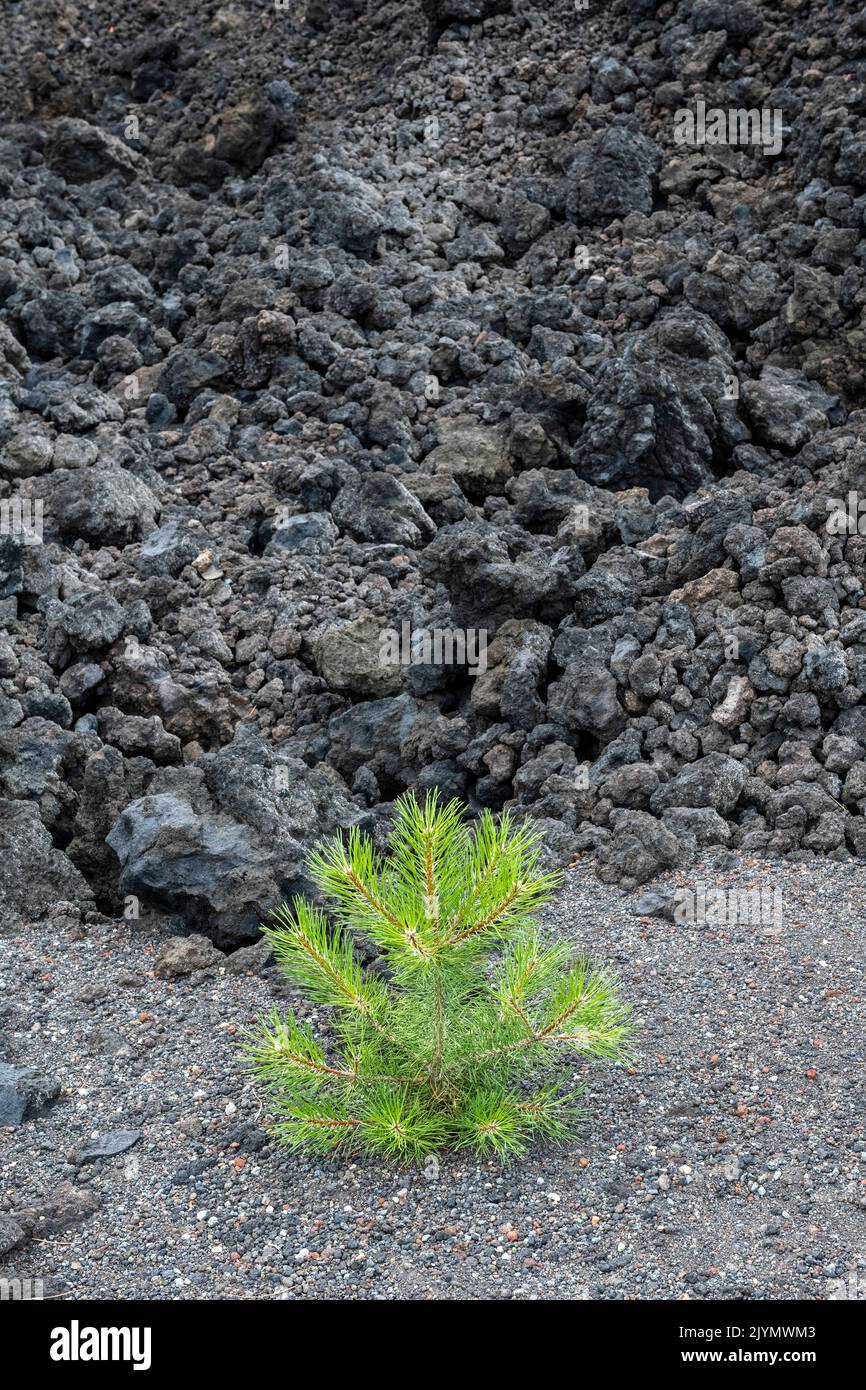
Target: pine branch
<point x="317" y="1126"/>
<point x="486" y="860"/>
<point x="492" y="1123"/>
<point x="586" y="1013"/>
<point x="438" y="1035"/>
<point x="503" y="1123"/>
<point x="504" y="877"/>
<point x="369" y="897"/>
<point x="388" y="1121"/>
<point x="282" y="1046"/>
<point x="428" y="847"/>
<point x="552" y="1117"/>
<point x="586" y="1001"/>
<point x="528" y="970"/>
<point x="320" y="959"/>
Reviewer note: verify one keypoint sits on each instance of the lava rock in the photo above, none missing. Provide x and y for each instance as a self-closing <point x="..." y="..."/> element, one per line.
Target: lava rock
<point x="82" y="152"/>
<point x="11" y="1234"/>
<point x="64" y="1207"/>
<point x="785" y="408"/>
<point x="612" y="175"/>
<point x="24" y="1092"/>
<point x="117" y="1141"/>
<point x="184" y="955"/>
<point x="33" y="874"/>
<point x="715" y="781"/>
<point x="104" y="506"/>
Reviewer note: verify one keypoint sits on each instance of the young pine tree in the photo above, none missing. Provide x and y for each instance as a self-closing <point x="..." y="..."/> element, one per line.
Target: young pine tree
<point x="455" y="1048"/>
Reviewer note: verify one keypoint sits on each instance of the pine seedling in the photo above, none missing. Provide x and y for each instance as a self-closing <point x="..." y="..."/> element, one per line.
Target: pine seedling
<point x="456" y="1042"/>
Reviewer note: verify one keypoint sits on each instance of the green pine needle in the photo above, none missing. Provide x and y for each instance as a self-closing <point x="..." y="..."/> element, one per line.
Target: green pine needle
<point x="476" y="1005"/>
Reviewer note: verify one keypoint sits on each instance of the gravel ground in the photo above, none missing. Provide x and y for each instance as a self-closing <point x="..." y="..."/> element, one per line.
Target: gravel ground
<point x="728" y="1163"/>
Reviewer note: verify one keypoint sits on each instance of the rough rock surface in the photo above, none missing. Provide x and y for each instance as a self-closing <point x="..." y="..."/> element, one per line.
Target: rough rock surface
<point x="294" y="366"/>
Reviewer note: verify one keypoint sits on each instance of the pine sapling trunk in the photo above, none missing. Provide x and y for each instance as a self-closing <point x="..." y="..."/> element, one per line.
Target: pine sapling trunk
<point x="438" y="1029"/>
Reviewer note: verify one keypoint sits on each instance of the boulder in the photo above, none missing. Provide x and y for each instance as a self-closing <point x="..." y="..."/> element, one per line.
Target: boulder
<point x="104" y="506"/>
<point x="476" y="455"/>
<point x="356" y="657"/>
<point x="611" y="175"/>
<point x="224" y="864"/>
<point x="82" y="152"/>
<point x="24" y="1092"/>
<point x="584" y="699"/>
<point x="34" y="876"/>
<point x="185" y="955"/>
<point x="715" y="780"/>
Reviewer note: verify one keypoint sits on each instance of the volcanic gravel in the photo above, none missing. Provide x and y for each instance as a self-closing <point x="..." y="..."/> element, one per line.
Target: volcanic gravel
<point x="728" y="1162"/>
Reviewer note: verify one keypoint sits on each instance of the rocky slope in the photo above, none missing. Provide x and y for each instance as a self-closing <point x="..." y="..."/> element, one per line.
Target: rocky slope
<point x="314" y="325"/>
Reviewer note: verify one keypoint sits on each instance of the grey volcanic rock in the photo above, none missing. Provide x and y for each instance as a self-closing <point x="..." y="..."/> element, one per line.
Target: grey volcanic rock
<point x="104" y="506"/>
<point x="33" y="874"/>
<point x="289" y="805"/>
<point x="373" y="734"/>
<point x="657" y="415"/>
<point x="134" y="734"/>
<point x="187" y="372"/>
<point x="82" y="152"/>
<point x="785" y="408"/>
<point x="65" y="1206"/>
<point x="380" y="508"/>
<point x="90" y="621"/>
<point x="639" y="847"/>
<point x="241" y="136"/>
<point x="24" y="1092"/>
<point x="117" y="1141"/>
<point x="735" y="293"/>
<point x="348" y="212"/>
<point x="444" y="12"/>
<point x="11" y="1234"/>
<point x="612" y="175"/>
<point x="71" y="407"/>
<point x="352" y="658"/>
<point x="482" y="343"/>
<point x="169" y="549"/>
<point x="825" y="669"/>
<point x="516" y="667"/>
<point x="223" y="863"/>
<point x="715" y="781"/>
<point x="183" y="955"/>
<point x="487" y="579"/>
<point x="476" y="456"/>
<point x="738" y="17"/>
<point x="585" y="700"/>
<point x="312" y="533"/>
<point x="208" y="868"/>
